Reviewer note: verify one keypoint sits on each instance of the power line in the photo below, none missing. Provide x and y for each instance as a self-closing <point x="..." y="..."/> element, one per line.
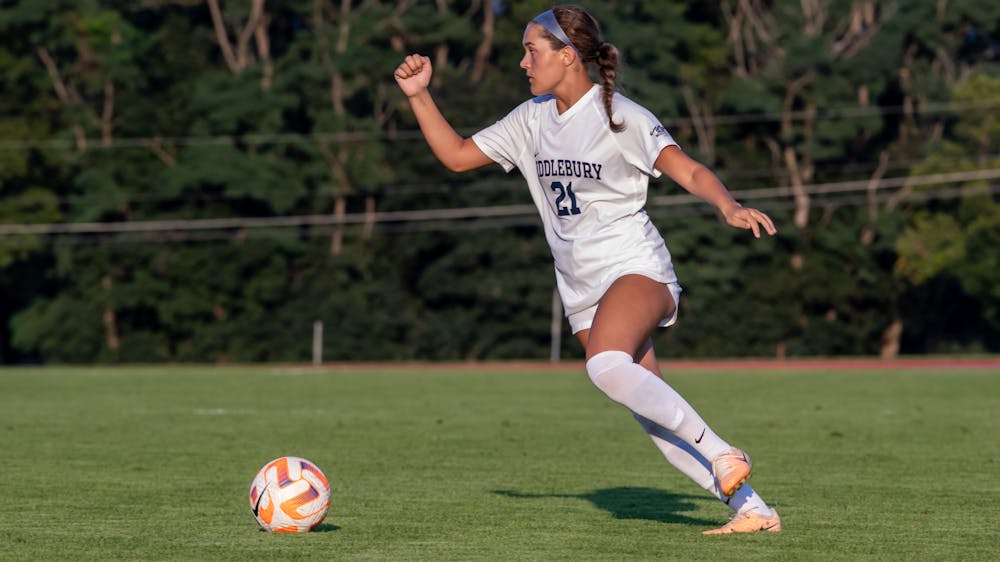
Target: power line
<point x="845" y="186"/>
<point x="850" y="200"/>
<point x="479" y="184"/>
<point x="259" y="139"/>
<point x="928" y="108"/>
<point x="262" y="139"/>
<point x="236" y="223"/>
<point x="457" y="214"/>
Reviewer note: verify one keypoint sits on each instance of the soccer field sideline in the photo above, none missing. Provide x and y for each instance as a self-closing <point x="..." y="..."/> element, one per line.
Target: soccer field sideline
<point x="750" y="364"/>
<point x="804" y="365"/>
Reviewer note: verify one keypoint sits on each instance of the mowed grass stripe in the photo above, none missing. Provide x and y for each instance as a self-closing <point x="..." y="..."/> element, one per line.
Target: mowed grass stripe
<point x="154" y="464"/>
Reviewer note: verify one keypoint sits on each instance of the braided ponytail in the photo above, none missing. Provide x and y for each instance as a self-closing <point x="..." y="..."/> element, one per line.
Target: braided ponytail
<point x="607" y="62"/>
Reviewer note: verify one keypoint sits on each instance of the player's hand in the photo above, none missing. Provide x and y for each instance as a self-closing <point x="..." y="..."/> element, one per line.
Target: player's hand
<point x="414" y="75"/>
<point x="752" y="219"/>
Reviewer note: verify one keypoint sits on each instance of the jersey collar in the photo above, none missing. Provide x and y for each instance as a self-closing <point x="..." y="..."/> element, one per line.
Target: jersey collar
<point x="576" y="107"/>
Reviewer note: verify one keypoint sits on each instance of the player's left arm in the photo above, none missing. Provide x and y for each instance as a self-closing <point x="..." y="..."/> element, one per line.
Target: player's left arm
<point x="700" y="181"/>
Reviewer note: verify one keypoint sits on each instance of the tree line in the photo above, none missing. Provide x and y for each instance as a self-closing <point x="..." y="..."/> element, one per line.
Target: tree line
<point x="202" y="180"/>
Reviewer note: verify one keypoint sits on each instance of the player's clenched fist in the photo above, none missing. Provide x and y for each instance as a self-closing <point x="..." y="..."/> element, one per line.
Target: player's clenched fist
<point x="414" y="74"/>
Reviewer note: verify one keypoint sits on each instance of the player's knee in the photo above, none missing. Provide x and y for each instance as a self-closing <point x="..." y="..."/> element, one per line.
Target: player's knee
<point x="601" y="369"/>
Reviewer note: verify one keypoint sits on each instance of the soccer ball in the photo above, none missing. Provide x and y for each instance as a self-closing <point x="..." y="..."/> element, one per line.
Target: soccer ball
<point x="289" y="495"/>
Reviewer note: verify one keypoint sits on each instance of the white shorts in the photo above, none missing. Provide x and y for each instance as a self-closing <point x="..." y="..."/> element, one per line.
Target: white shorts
<point x="585" y="318"/>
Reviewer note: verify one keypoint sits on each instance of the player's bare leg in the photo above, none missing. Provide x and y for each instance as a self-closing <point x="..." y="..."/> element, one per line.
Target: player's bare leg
<point x="610" y="327"/>
<point x="628" y="313"/>
<point x="626" y="316"/>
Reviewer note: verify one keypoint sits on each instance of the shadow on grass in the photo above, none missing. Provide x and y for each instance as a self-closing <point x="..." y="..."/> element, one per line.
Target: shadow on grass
<point x="633" y="503"/>
<point x="321" y="528"/>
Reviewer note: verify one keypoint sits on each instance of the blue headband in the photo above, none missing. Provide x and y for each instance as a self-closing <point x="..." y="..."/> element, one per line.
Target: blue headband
<point x="548" y="20"/>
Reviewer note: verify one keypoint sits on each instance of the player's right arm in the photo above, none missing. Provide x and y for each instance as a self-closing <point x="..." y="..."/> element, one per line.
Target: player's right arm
<point x="458" y="154"/>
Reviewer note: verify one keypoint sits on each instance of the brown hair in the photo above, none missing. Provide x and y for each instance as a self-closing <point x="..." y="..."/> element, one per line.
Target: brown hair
<point x="585" y="33"/>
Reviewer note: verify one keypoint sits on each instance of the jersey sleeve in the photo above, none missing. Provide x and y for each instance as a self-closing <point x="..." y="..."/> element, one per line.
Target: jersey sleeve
<point x="505" y="141"/>
<point x="643" y="139"/>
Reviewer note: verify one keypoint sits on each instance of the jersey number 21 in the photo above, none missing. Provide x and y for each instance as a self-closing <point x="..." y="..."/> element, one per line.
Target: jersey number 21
<point x="565" y="191"/>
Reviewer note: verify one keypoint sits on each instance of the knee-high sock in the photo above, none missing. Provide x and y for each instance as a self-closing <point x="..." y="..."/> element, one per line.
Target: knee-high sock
<point x="646" y="394"/>
<point x="697" y="468"/>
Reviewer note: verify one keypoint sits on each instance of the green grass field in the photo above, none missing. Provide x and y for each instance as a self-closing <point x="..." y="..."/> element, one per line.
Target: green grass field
<point x="155" y="464"/>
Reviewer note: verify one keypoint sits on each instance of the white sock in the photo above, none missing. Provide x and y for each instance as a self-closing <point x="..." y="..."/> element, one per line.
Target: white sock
<point x="693" y="465"/>
<point x="746" y="499"/>
<point x="646" y="394"/>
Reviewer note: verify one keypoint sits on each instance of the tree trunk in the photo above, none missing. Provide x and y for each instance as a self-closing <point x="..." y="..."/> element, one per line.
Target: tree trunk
<point x="369" y="225"/>
<point x="704" y="127"/>
<point x="65" y="95"/>
<point x="337" y="240"/>
<point x="868" y="232"/>
<point x="798" y="172"/>
<point x="335" y="162"/>
<point x="891" y="338"/>
<point x="109" y="318"/>
<point x="107" y="115"/>
<point x="486" y="45"/>
<point x="734" y="19"/>
<point x="264" y="52"/>
<point x="798" y="189"/>
<point x="238" y="58"/>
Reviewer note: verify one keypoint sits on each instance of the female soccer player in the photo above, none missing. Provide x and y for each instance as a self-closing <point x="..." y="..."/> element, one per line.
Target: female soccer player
<point x="587" y="153"/>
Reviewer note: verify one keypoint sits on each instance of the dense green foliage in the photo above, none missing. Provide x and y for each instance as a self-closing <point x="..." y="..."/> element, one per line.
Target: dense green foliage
<point x="283" y="118"/>
<point x="156" y="463"/>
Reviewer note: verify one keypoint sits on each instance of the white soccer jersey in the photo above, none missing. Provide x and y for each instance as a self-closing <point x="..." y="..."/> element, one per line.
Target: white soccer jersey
<point x="589" y="185"/>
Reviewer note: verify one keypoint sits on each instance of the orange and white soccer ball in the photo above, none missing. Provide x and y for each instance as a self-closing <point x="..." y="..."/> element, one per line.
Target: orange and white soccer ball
<point x="289" y="495"/>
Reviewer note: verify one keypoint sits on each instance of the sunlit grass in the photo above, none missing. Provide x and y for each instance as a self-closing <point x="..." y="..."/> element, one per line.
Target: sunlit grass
<point x="155" y="463"/>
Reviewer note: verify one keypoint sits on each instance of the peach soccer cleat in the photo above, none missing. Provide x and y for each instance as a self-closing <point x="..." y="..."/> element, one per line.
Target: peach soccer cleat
<point x="731" y="470"/>
<point x="749" y="522"/>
